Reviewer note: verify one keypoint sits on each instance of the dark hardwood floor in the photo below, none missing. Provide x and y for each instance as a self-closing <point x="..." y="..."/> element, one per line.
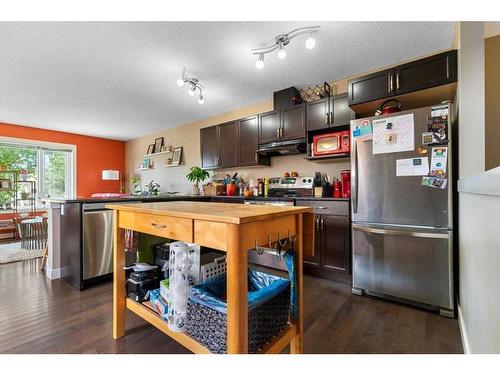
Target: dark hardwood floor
<point x="42" y="316"/>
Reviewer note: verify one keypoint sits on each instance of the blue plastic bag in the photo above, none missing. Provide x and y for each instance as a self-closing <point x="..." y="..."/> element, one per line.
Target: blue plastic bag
<point x="261" y="288"/>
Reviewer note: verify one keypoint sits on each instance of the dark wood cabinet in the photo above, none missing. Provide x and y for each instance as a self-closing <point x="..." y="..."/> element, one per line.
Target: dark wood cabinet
<point x="232" y="144"/>
<point x="328" y="113"/>
<point x="371" y="87"/>
<point x="432" y="71"/>
<point x="317" y="113"/>
<point x="293" y="122"/>
<point x="341" y="113"/>
<point x="269" y="126"/>
<point x="336" y="255"/>
<point x="332" y="241"/>
<point x="248" y="141"/>
<point x="228" y="145"/>
<point x="209" y="144"/>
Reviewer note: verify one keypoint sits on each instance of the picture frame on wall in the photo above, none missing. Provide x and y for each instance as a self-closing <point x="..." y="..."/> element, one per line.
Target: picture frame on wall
<point x="176" y="156"/>
<point x="151" y="149"/>
<point x="159" y="143"/>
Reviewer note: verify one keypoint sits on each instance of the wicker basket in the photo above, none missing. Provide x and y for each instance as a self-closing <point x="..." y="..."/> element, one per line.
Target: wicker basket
<point x="214" y="189"/>
<point x="209" y="326"/>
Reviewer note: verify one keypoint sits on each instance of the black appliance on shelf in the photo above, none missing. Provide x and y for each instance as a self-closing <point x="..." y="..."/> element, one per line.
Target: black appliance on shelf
<point x="286" y="98"/>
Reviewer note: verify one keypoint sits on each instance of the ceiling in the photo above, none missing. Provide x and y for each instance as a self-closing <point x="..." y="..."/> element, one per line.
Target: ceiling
<point x="118" y="79"/>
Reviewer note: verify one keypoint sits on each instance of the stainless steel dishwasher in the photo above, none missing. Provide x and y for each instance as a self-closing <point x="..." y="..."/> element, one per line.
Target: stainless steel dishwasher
<point x="97" y="240"/>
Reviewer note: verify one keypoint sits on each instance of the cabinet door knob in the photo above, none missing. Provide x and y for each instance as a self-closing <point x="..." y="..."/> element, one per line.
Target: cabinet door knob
<point x="322" y="224"/>
<point x="397" y="81"/>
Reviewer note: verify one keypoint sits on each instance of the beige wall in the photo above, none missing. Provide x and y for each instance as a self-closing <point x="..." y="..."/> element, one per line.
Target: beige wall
<point x="188" y="136"/>
<point x="492" y="103"/>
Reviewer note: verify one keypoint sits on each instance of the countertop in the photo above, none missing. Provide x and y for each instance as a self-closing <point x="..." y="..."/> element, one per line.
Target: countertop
<point x="130" y="198"/>
<point x="216" y="212"/>
<point x="163" y="198"/>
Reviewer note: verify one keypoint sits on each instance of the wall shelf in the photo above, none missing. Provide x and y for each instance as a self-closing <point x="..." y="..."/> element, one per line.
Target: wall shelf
<point x="171" y="165"/>
<point x="144" y="169"/>
<point x="158" y="154"/>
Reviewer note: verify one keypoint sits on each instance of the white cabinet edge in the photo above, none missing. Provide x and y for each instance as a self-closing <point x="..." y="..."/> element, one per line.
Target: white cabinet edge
<point x="486" y="183"/>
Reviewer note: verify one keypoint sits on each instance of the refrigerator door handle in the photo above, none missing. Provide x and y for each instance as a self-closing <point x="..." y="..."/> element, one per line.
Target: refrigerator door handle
<point x="354" y="175"/>
<point x="393" y="232"/>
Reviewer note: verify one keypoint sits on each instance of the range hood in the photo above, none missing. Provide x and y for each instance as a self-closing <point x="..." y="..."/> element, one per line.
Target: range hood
<point x="296" y="146"/>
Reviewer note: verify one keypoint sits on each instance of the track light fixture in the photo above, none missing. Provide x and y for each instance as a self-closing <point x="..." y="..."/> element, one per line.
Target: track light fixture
<point x="194" y="85"/>
<point x="283" y="40"/>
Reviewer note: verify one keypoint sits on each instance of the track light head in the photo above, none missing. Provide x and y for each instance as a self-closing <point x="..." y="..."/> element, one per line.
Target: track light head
<point x="310" y="42"/>
<point x="180" y="82"/>
<point x="201" y="99"/>
<point x="259" y="64"/>
<point x="281" y="51"/>
<point x="192" y="90"/>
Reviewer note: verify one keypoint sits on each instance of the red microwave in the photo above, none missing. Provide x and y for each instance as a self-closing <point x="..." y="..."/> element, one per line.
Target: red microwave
<point x="331" y="143"/>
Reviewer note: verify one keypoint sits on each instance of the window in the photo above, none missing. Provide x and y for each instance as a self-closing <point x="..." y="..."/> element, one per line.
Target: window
<point x="51" y="169"/>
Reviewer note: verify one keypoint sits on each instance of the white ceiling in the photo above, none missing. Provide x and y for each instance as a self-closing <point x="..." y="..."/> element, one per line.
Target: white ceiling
<point x="118" y="79"/>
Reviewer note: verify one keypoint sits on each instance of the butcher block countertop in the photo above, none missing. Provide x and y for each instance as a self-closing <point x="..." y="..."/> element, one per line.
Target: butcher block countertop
<point x="216" y="212"/>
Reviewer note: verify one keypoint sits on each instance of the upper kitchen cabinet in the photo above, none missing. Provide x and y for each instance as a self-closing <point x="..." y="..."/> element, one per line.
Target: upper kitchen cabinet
<point x="209" y="144"/>
<point x="248" y="143"/>
<point x="269" y="126"/>
<point x="328" y="112"/>
<point x="293" y="122"/>
<point x="318" y="114"/>
<point x="437" y="75"/>
<point x="432" y="71"/>
<point x="371" y="87"/>
<point x="228" y="145"/>
<point x="232" y="144"/>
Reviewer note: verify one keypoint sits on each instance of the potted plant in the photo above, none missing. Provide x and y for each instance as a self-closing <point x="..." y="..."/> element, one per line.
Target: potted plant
<point x="197" y="175"/>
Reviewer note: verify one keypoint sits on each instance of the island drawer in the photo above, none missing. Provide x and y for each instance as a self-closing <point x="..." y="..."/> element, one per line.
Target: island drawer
<point x="162" y="226"/>
<point x="323" y="207"/>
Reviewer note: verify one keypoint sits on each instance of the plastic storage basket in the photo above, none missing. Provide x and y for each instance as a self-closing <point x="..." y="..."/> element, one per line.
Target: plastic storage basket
<point x="268" y="310"/>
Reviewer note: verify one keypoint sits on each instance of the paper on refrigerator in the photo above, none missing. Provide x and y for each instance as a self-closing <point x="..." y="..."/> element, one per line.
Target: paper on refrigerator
<point x="393" y="134"/>
<point x="412" y="167"/>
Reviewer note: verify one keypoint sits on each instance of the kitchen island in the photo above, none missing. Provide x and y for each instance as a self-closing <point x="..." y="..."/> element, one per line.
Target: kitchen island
<point x="226" y="227"/>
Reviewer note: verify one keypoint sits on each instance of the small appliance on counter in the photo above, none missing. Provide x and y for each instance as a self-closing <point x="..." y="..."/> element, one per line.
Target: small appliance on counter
<point x="141" y="278"/>
<point x="345" y="177"/>
<point x="331" y="143"/>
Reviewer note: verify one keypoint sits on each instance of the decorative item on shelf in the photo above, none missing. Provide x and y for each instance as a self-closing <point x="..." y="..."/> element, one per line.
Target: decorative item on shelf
<point x="170" y="148"/>
<point x="214" y="188"/>
<point x="194" y="85"/>
<point x="151" y="149"/>
<point x="197" y="175"/>
<point x="4" y="168"/>
<point x="317" y="92"/>
<point x="176" y="156"/>
<point x="159" y="142"/>
<point x="147" y="163"/>
<point x="283" y="40"/>
<point x="110" y="175"/>
<point x="163" y="149"/>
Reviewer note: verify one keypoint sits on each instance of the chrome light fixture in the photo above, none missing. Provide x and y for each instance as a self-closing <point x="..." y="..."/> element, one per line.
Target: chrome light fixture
<point x="194" y="85"/>
<point x="283" y="40"/>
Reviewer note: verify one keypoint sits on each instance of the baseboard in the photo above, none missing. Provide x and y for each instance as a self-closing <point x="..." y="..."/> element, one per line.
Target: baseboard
<point x="463" y="332"/>
<point x="53" y="274"/>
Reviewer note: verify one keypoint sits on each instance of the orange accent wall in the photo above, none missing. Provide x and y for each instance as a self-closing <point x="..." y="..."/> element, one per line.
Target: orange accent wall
<point x="93" y="155"/>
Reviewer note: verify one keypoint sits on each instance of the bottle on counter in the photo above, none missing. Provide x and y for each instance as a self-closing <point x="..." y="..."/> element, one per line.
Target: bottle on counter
<point x="261" y="187"/>
<point x="266" y="187"/>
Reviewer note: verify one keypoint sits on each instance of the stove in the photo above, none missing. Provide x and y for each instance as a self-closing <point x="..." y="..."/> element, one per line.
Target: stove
<point x="282" y="190"/>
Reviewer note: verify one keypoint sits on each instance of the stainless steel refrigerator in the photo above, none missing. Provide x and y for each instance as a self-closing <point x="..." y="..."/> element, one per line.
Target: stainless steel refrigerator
<point x="402" y="232"/>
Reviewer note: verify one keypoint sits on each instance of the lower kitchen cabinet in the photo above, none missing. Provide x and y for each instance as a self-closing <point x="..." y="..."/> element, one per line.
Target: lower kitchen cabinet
<point x="332" y="241"/>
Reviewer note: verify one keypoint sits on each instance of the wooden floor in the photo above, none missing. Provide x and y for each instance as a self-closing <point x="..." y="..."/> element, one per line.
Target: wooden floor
<point x="42" y="316"/>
